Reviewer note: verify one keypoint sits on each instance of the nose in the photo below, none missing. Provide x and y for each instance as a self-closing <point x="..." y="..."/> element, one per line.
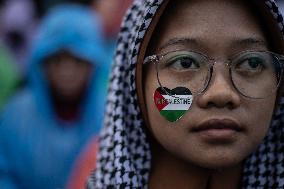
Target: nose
<point x="220" y="93"/>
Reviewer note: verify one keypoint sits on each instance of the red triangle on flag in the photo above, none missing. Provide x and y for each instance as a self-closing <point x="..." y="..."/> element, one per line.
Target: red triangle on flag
<point x="159" y="100"/>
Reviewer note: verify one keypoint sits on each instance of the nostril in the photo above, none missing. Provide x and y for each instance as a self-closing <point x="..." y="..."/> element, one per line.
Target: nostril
<point x="231" y="105"/>
<point x="210" y="104"/>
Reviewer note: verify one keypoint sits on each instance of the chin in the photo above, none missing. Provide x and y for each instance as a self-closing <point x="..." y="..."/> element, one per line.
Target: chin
<point x="219" y="164"/>
<point x="219" y="161"/>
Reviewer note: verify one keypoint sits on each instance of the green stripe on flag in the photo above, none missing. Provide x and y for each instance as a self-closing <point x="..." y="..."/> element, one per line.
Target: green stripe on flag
<point x="172" y="115"/>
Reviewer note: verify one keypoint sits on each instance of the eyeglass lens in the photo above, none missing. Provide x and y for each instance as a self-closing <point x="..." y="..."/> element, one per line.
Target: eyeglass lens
<point x="253" y="74"/>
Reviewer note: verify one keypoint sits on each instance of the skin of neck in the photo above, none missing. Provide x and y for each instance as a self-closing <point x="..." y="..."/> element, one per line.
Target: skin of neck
<point x="169" y="172"/>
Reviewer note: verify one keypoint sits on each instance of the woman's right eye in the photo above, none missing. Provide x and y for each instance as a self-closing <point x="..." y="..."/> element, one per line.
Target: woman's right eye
<point x="183" y="63"/>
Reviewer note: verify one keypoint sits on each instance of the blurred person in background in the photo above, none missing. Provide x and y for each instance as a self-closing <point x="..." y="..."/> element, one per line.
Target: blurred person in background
<point x="111" y="13"/>
<point x="9" y="76"/>
<point x="84" y="165"/>
<point x="43" y="6"/>
<point x="18" y="24"/>
<point x="45" y="126"/>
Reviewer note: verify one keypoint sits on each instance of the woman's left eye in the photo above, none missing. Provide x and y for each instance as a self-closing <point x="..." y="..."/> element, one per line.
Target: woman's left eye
<point x="252" y="64"/>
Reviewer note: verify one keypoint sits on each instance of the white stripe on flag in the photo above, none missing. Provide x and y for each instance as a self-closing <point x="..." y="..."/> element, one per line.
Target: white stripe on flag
<point x="178" y="102"/>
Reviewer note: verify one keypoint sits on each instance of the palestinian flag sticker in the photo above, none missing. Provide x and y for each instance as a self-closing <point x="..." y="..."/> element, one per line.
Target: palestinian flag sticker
<point x="173" y="104"/>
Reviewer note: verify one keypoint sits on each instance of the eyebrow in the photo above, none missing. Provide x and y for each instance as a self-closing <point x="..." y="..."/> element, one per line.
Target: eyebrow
<point x="249" y="41"/>
<point x="178" y="41"/>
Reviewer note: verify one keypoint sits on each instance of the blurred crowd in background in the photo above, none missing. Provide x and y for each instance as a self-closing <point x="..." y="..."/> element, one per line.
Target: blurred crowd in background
<point x="55" y="56"/>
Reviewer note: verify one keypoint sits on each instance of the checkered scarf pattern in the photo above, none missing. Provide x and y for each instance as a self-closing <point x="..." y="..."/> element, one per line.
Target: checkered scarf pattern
<point x="124" y="159"/>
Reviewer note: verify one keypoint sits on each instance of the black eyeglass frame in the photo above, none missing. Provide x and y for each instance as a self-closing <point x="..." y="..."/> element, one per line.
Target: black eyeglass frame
<point x="155" y="58"/>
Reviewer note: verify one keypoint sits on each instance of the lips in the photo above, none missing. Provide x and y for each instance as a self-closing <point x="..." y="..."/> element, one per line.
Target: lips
<point x="218" y="131"/>
<point x="218" y="124"/>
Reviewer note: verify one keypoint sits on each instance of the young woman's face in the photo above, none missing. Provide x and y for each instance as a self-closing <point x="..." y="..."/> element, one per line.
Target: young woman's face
<point x="219" y="29"/>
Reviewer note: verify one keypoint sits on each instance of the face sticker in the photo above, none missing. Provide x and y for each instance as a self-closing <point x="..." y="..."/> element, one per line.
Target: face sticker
<point x="173" y="104"/>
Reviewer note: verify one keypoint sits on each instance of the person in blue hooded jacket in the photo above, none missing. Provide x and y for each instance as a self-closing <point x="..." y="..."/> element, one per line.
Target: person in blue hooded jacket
<point x="44" y="127"/>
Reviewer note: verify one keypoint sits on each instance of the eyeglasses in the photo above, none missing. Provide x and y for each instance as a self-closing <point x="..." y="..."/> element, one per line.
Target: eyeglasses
<point x="254" y="74"/>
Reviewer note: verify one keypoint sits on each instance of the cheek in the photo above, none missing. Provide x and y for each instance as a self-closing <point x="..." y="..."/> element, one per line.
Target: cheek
<point x="174" y="137"/>
<point x="171" y="135"/>
<point x="259" y="115"/>
<point x="150" y="85"/>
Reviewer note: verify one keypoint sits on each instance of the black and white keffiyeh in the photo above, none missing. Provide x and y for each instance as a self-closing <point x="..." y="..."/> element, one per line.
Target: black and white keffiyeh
<point x="124" y="158"/>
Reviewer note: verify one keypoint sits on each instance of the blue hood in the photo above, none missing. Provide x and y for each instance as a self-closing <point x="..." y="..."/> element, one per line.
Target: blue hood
<point x="74" y="29"/>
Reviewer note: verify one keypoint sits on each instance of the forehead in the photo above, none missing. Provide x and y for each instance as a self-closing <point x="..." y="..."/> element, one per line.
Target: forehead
<point x="206" y="24"/>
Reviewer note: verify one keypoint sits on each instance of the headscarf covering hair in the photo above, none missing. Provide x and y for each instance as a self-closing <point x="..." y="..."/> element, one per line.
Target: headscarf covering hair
<point x="124" y="159"/>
